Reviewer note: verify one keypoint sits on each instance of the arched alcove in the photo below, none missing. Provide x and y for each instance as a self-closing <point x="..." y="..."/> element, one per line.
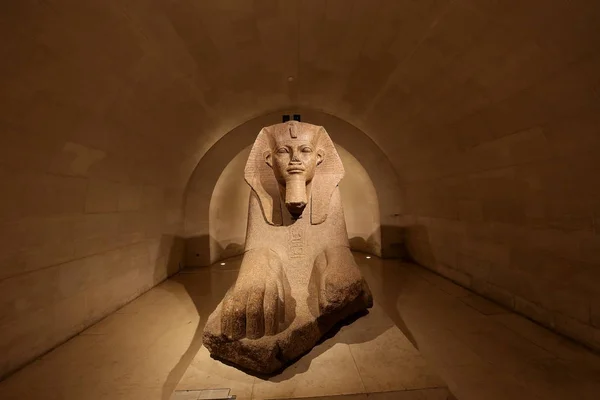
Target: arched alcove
<point x="228" y="209"/>
<point x="197" y="227"/>
<point x="361" y="205"/>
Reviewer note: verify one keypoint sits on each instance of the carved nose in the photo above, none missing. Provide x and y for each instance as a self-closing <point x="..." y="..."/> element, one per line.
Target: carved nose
<point x="295" y="159"/>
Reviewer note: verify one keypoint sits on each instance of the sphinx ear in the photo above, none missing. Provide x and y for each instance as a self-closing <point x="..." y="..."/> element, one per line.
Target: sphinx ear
<point x="268" y="158"/>
<point x="262" y="180"/>
<point x="320" y="156"/>
<point x="326" y="179"/>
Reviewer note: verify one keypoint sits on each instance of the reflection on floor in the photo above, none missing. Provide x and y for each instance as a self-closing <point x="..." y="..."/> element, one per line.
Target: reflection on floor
<point x="479" y="349"/>
<point x="370" y="355"/>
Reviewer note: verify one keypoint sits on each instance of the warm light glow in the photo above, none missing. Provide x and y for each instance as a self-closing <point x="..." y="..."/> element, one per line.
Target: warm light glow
<point x="368" y="256"/>
<point x="222" y="263"/>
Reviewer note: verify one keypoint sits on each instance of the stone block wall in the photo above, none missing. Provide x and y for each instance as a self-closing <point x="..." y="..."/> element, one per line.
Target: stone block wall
<point x="75" y="248"/>
<point x="511" y="211"/>
<point x="90" y="209"/>
<point x="491" y="119"/>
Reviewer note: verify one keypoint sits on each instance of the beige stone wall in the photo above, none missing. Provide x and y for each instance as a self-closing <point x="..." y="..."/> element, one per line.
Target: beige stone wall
<point x="74" y="248"/>
<point x="361" y="206"/>
<point x="91" y="195"/>
<point x="228" y="210"/>
<point x="517" y="221"/>
<point x="498" y="155"/>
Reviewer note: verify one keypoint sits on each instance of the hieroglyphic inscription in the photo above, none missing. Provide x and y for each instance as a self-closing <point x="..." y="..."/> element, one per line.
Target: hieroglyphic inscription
<point x="296" y="241"/>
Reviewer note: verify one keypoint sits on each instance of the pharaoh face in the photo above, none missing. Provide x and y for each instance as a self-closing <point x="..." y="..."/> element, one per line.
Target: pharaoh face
<point x="293" y="162"/>
<point x="294" y="157"/>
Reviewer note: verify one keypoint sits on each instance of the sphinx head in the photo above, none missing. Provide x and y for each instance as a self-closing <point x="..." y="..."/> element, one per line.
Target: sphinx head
<point x="294" y="156"/>
<point x="296" y="162"/>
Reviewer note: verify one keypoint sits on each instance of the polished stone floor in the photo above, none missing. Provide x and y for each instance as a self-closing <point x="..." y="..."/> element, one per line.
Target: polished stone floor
<point x="480" y="350"/>
<point x="367" y="356"/>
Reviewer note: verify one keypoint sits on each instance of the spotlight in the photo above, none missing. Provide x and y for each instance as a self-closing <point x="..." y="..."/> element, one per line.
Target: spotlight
<point x="368" y="257"/>
<point x="222" y="263"/>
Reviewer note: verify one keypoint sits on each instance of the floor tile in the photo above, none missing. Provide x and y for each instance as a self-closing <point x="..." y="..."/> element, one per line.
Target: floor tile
<point x="327" y="370"/>
<point x="482" y="305"/>
<point x="426" y="394"/>
<point x="206" y="394"/>
<point x="361" y="396"/>
<point x="384" y="356"/>
<point x="207" y="373"/>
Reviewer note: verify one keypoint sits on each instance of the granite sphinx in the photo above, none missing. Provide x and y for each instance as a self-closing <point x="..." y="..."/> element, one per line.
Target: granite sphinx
<point x="298" y="277"/>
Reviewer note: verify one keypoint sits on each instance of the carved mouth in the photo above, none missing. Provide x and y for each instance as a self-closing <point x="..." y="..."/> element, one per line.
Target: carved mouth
<point x="295" y="170"/>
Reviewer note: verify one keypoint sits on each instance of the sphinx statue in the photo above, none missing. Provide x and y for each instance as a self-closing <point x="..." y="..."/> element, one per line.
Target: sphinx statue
<point x="298" y="277"/>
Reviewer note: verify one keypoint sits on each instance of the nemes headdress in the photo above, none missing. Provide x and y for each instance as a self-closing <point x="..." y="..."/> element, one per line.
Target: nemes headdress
<point x="262" y="180"/>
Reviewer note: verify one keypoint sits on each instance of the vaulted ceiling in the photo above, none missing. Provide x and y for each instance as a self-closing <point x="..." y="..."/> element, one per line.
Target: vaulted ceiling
<point x="423" y="78"/>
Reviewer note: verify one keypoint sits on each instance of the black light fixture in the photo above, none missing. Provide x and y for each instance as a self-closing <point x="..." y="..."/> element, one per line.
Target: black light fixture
<point x="285" y="118"/>
<point x="297" y="117"/>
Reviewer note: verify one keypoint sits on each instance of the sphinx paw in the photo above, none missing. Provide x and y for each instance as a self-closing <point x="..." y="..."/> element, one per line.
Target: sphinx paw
<point x="254" y="306"/>
<point x="341" y="281"/>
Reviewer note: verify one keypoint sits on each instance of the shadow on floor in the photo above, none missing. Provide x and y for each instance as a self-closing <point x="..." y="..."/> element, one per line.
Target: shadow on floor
<point x="387" y="294"/>
<point x="302" y="363"/>
<point x="206" y="287"/>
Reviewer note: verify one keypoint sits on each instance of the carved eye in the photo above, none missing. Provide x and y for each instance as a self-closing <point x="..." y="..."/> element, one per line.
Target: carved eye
<point x="306" y="150"/>
<point x="282" y="150"/>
